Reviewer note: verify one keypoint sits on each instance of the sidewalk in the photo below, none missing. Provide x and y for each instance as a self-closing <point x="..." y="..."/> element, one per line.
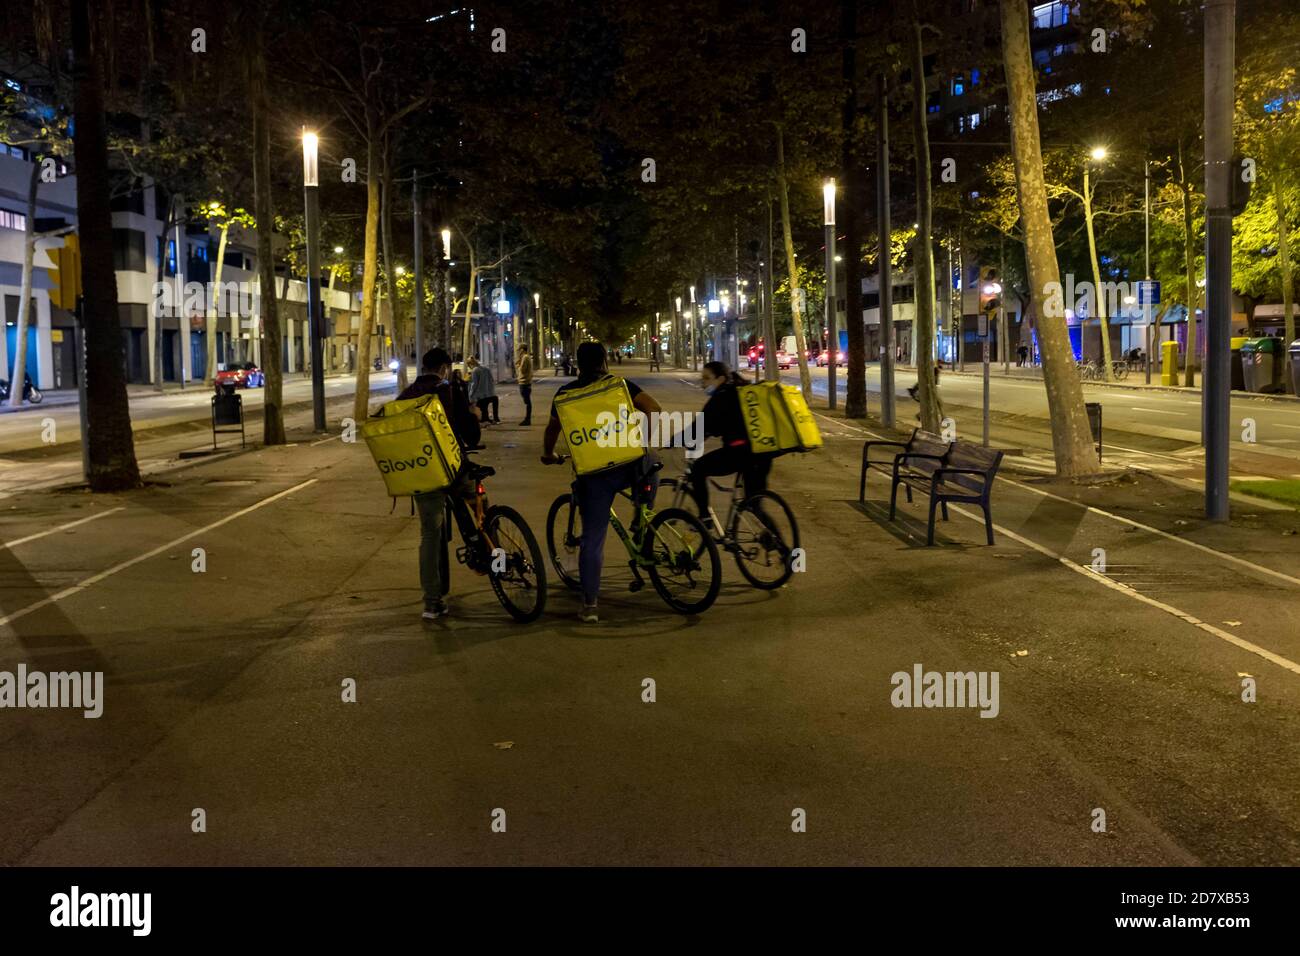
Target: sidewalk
<point x="223" y="688"/>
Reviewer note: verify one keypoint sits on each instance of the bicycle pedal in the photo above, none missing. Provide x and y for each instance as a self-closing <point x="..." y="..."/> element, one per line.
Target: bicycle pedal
<point x="636" y="585"/>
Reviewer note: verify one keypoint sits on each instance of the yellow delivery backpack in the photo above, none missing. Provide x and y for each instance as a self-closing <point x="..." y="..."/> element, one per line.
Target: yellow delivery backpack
<point x="414" y="446"/>
<point x="600" y="425"/>
<point x="777" y="419"/>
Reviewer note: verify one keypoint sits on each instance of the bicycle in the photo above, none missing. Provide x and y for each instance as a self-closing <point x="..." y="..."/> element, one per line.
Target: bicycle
<point x="497" y="542"/>
<point x="760" y="530"/>
<point x="672" y="546"/>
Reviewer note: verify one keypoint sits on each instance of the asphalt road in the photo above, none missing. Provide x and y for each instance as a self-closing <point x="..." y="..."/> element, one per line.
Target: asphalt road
<point x="1119" y="691"/>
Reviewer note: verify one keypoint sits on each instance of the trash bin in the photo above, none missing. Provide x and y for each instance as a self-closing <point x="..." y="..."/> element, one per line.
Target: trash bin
<point x="1238" y="381"/>
<point x="1261" y="366"/>
<point x="1295" y="367"/>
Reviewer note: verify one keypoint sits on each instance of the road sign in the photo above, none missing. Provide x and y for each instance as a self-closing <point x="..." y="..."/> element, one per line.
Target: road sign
<point x="1148" y="292"/>
<point x="983" y="325"/>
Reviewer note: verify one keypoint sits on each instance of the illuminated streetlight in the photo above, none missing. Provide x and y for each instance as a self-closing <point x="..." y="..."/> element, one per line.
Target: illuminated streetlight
<point x="832" y="335"/>
<point x="1098" y="153"/>
<point x="338" y="250"/>
<point x="315" y="317"/>
<point x="446" y="243"/>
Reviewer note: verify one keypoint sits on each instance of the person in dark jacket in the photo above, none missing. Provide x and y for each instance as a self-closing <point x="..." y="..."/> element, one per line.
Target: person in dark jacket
<point x="435" y="368"/>
<point x="723" y="419"/>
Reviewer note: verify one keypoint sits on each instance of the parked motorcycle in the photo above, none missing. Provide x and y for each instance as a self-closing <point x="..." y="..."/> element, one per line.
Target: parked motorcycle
<point x="30" y="392"/>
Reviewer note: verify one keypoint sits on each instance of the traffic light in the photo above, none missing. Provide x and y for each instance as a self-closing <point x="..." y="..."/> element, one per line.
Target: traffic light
<point x="990" y="291"/>
<point x="65" y="277"/>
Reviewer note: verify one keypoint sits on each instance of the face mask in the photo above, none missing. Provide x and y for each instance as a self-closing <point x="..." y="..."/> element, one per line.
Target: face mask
<point x="710" y="389"/>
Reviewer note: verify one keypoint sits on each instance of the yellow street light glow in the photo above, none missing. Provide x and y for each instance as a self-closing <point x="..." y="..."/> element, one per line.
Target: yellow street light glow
<point x="338" y="250"/>
<point x="828" y="202"/>
<point x="1098" y="153"/>
<point x="446" y="243"/>
<point x="310" y="175"/>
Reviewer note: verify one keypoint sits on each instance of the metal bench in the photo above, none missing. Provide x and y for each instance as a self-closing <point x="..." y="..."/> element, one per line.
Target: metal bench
<point x="964" y="473"/>
<point x="921" y="443"/>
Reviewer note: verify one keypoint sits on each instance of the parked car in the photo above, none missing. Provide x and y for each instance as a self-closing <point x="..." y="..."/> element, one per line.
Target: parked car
<point x="241" y="375"/>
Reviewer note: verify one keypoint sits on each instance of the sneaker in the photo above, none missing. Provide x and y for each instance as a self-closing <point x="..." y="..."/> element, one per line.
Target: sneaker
<point x="588" y="614"/>
<point x="435" y="610"/>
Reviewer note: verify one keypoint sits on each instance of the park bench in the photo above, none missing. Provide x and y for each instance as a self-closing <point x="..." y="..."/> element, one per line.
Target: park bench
<point x="964" y="473"/>
<point x="921" y="443"/>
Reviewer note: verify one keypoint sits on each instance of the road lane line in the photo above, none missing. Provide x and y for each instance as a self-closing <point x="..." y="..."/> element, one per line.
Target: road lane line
<point x="322" y="441"/>
<point x="122" y="566"/>
<point x="1156" y="411"/>
<point x="1241" y="562"/>
<point x="62" y="527"/>
<point x="1124" y="589"/>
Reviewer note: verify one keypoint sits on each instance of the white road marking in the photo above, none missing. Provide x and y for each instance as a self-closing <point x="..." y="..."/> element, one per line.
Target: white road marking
<point x="1124" y="589"/>
<point x="1240" y="562"/>
<point x="123" y="565"/>
<point x="322" y="441"/>
<point x="1155" y="411"/>
<point x="62" y="527"/>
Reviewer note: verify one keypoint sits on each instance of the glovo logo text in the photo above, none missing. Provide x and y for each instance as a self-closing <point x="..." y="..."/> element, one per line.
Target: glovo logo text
<point x="753" y="419"/>
<point x="389" y="465"/>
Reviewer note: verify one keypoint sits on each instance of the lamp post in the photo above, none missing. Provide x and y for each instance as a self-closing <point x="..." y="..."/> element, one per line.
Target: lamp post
<point x="418" y="250"/>
<point x="832" y="334"/>
<point x="311" y="199"/>
<point x="537" y="347"/>
<point x="695" y="354"/>
<point x="444" y="309"/>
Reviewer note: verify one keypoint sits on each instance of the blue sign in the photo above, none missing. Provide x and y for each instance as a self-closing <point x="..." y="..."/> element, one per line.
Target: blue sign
<point x="1149" y="292"/>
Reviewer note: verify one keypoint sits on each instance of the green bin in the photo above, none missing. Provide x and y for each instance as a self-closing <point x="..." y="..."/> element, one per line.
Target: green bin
<point x="1261" y="364"/>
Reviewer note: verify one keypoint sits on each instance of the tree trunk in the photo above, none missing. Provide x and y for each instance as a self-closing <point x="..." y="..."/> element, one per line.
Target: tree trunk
<point x="25" y="291"/>
<point x="923" y="252"/>
<point x="1284" y="264"/>
<point x="361" y="401"/>
<point x="1189" y="264"/>
<point x="855" y="395"/>
<point x="273" y="378"/>
<point x="214" y="314"/>
<point x="1071" y="436"/>
<point x="109" y="441"/>
<point x="1099" y="300"/>
<point x="796" y="309"/>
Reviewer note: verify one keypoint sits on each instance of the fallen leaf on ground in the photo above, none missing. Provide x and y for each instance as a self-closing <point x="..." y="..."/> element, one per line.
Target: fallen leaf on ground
<point x="504" y="744"/>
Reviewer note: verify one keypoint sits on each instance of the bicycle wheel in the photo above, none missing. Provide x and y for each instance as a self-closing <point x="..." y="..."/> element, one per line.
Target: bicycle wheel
<point x="685" y="570"/>
<point x="563" y="534"/>
<point x="515" y="567"/>
<point x="764" y="534"/>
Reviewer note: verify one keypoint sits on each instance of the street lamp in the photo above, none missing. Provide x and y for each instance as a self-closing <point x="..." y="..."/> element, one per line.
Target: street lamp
<point x="677" y="334"/>
<point x="541" y="326"/>
<point x="315" y="317"/>
<point x="695" y="355"/>
<point x="832" y="334"/>
<point x="1098" y="153"/>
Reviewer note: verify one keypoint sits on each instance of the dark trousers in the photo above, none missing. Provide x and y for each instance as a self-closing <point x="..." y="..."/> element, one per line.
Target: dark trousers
<point x="728" y="460"/>
<point x="432" y="508"/>
<point x="484" y="403"/>
<point x="595" y="495"/>
<point x="526" y="393"/>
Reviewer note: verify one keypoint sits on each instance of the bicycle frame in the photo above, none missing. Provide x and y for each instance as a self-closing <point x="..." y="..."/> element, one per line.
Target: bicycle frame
<point x="685" y="482"/>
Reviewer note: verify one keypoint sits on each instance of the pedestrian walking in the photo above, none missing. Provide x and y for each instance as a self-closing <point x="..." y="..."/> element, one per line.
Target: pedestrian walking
<point x="524" y="376"/>
<point x="483" y="392"/>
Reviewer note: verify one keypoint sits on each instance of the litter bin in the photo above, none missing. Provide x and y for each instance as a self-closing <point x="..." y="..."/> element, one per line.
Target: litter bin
<point x="1238" y="381"/>
<point x="1261" y="365"/>
<point x="1169" y="363"/>
<point x="1295" y="367"/>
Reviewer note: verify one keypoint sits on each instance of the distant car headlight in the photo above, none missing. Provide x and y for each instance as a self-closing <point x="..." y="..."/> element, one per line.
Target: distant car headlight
<point x="393" y="365"/>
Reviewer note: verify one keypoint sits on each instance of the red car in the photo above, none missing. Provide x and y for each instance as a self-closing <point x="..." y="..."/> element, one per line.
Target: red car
<point x="241" y="375"/>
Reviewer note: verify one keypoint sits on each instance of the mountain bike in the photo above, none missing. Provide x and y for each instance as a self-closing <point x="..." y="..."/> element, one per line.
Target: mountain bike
<point x="497" y="541"/>
<point x="672" y="546"/>
<point x="760" y="530"/>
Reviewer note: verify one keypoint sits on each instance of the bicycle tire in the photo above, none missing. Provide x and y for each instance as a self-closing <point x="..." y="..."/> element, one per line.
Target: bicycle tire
<point x="528" y="568"/>
<point x="560" y="509"/>
<point x="755" y="505"/>
<point x="689" y="559"/>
